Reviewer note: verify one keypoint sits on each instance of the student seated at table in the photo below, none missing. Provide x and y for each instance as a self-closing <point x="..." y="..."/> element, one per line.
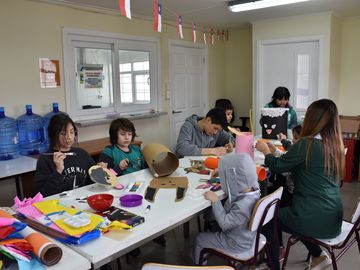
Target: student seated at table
<point x="204" y="136"/>
<point x="63" y="167"/>
<point x="285" y="179"/>
<point x="240" y="183"/>
<point x="286" y="143"/>
<point x="317" y="164"/>
<point x="122" y="156"/>
<point x="226" y="105"/>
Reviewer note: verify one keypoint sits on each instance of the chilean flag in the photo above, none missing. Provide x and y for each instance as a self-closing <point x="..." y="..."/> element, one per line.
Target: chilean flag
<point x="194" y="32"/>
<point x="179" y="27"/>
<point x="124" y="6"/>
<point x="157" y="16"/>
<point x="204" y="35"/>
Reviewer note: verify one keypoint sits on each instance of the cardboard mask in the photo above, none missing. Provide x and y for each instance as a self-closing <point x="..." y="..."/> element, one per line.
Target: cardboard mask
<point x="273" y="121"/>
<point x="180" y="183"/>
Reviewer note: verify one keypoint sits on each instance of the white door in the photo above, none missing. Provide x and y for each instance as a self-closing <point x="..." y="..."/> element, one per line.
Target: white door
<point x="188" y="84"/>
<point x="294" y="65"/>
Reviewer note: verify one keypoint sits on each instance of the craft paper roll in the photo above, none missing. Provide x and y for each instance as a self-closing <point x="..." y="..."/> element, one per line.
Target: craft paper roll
<point x="245" y="143"/>
<point x="160" y="159"/>
<point x="48" y="252"/>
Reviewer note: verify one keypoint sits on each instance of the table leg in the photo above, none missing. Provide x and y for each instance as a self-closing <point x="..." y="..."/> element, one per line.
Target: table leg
<point x="18" y="185"/>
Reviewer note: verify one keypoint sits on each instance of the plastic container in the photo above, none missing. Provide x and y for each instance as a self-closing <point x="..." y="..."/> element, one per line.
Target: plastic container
<point x="131" y="200"/>
<point x="47" y="118"/>
<point x="9" y="139"/>
<point x="31" y="133"/>
<point x="100" y="202"/>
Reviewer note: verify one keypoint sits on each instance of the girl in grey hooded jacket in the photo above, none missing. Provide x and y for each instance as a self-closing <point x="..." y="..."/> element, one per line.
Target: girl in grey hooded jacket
<point x="239" y="182"/>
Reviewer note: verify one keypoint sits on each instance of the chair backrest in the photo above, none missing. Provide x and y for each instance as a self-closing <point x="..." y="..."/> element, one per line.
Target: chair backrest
<point x="158" y="266"/>
<point x="267" y="203"/>
<point x="355" y="217"/>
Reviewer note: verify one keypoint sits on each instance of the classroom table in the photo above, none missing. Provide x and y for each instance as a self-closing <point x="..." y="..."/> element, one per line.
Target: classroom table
<point x="15" y="168"/>
<point x="70" y="260"/>
<point x="165" y="214"/>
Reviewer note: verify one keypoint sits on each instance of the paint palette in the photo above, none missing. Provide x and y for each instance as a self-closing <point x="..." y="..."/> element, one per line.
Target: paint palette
<point x="134" y="186"/>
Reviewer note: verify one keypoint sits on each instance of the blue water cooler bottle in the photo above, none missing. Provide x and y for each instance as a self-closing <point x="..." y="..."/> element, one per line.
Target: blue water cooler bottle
<point x="31" y="133"/>
<point x="47" y="118"/>
<point x="9" y="139"/>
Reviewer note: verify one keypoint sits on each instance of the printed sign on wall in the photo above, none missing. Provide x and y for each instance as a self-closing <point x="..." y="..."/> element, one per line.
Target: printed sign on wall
<point x="49" y="73"/>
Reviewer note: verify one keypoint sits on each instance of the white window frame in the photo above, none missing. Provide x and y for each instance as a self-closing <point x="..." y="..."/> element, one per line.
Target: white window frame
<point x="73" y="37"/>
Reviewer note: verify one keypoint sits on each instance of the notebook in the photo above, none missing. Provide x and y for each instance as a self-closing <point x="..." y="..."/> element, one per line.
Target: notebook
<point x="131" y="219"/>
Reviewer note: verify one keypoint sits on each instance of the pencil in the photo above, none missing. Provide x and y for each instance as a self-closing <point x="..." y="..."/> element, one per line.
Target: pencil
<point x="66" y="154"/>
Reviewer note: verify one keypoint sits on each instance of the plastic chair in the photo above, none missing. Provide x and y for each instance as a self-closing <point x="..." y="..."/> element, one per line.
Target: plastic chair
<point x="264" y="211"/>
<point x="157" y="266"/>
<point x="349" y="234"/>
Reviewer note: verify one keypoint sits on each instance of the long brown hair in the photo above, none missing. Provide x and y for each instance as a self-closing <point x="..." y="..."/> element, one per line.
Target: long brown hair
<point x="322" y="118"/>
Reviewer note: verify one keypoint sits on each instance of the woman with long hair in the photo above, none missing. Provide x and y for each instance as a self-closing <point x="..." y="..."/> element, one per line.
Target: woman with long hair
<point x="316" y="162"/>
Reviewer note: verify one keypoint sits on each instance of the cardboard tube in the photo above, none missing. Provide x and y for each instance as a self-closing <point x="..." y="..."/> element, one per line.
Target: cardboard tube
<point x="212" y="163"/>
<point x="160" y="159"/>
<point x="261" y="173"/>
<point x="48" y="252"/>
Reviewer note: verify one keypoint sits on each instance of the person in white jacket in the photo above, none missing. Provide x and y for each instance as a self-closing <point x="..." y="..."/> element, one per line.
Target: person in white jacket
<point x="239" y="182"/>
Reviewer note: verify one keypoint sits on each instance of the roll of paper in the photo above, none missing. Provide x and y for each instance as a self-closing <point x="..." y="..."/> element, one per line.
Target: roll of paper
<point x="48" y="252"/>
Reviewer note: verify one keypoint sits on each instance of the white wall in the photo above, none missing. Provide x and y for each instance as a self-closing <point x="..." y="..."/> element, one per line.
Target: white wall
<point x="32" y="30"/>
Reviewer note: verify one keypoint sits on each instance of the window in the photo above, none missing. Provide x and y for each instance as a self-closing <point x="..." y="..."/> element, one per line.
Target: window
<point x="303" y="81"/>
<point x="108" y="73"/>
<point x="134" y="77"/>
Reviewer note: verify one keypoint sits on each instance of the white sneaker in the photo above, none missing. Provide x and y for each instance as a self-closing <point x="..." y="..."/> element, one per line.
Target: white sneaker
<point x="321" y="262"/>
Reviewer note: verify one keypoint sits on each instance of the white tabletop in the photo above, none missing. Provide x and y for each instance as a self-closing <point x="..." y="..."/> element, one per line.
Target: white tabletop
<point x="17" y="166"/>
<point x="165" y="214"/>
<point x="70" y="260"/>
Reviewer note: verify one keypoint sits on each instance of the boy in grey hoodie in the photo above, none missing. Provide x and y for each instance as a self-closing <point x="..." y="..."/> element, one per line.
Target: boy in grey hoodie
<point x="204" y="136"/>
<point x="239" y="182"/>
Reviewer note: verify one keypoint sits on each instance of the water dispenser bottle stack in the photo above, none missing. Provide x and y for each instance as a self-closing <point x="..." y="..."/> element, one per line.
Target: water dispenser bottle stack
<point x="31" y="133"/>
<point x="47" y="118"/>
<point x="9" y="140"/>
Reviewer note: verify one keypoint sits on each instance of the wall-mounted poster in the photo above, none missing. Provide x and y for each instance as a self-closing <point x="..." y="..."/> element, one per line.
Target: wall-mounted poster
<point x="91" y="75"/>
<point x="49" y="73"/>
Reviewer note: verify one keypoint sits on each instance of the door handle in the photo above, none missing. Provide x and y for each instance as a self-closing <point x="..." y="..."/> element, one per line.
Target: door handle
<point x="176" y="112"/>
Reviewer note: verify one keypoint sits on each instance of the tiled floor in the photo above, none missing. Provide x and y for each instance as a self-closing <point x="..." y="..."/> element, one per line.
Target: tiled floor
<point x="178" y="249"/>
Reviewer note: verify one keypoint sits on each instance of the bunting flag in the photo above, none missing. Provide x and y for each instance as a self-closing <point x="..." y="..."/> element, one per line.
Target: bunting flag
<point x="194" y="32"/>
<point x="211" y="37"/>
<point x="204" y="35"/>
<point x="218" y="35"/>
<point x="124" y="6"/>
<point x="179" y="27"/>
<point x="157" y="16"/>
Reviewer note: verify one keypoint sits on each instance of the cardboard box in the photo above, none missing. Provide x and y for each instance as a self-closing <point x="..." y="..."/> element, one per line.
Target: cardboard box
<point x="350" y="124"/>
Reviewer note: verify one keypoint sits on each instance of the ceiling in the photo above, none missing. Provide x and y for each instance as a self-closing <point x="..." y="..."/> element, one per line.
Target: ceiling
<point x="214" y="13"/>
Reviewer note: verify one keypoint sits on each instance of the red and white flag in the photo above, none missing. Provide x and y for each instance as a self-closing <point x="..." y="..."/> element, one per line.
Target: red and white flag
<point x="124" y="6"/>
<point x="194" y="32"/>
<point x="211" y="37"/>
<point x="157" y="16"/>
<point x="204" y="34"/>
<point x="179" y="27"/>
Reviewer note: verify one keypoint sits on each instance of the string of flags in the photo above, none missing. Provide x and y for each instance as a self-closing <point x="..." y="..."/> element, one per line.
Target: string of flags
<point x="125" y="10"/>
